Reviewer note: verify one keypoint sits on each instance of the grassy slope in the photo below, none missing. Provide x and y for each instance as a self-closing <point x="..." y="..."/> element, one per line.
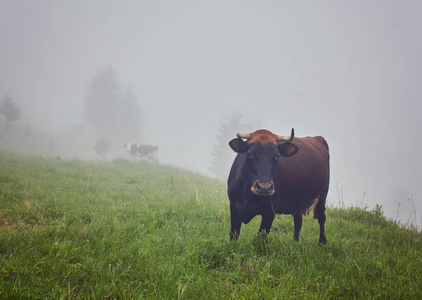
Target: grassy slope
<point x="72" y="229"/>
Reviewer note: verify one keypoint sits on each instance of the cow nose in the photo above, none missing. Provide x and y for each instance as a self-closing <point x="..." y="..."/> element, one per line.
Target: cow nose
<point x="264" y="188"/>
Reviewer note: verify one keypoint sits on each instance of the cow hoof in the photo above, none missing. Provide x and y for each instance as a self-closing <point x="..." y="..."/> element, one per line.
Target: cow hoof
<point x="233" y="237"/>
<point x="323" y="241"/>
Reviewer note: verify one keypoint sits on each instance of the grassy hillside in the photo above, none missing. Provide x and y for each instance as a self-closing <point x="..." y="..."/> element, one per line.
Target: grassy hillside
<point x="105" y="230"/>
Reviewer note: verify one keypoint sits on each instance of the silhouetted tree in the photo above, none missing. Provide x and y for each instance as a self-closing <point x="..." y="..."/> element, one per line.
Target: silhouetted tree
<point x="102" y="101"/>
<point x="10" y="111"/>
<point x="107" y="109"/>
<point x="223" y="155"/>
<point x="102" y="147"/>
<point x="130" y="116"/>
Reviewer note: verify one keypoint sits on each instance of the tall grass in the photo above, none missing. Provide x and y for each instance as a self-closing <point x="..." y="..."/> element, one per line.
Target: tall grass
<point x="121" y="230"/>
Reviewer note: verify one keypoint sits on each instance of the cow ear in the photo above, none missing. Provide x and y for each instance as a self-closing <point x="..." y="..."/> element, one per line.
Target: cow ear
<point x="287" y="149"/>
<point x="238" y="145"/>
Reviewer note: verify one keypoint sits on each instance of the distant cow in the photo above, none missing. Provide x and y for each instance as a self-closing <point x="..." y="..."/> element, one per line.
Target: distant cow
<point x="272" y="175"/>
<point x="138" y="150"/>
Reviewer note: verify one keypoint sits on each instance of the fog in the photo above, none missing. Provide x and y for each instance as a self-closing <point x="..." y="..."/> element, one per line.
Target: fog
<point x="350" y="72"/>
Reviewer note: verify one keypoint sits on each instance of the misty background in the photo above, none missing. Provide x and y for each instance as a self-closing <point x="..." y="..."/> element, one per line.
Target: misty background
<point x="350" y="72"/>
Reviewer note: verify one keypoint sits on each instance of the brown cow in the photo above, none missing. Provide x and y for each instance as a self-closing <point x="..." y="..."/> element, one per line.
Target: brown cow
<point x="278" y="174"/>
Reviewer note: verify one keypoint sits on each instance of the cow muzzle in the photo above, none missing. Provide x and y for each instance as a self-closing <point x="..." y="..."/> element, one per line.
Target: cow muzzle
<point x="263" y="188"/>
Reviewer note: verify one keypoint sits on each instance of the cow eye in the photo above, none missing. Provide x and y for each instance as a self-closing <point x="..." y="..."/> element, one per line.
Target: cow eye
<point x="250" y="155"/>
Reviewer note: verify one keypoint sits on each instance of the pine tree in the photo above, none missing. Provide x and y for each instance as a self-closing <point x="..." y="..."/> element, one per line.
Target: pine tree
<point x="102" y="101"/>
<point x="130" y="117"/>
<point x="107" y="109"/>
<point x="223" y="155"/>
<point x="10" y="111"/>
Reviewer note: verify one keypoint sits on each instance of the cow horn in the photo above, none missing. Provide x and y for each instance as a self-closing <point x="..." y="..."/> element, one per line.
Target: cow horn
<point x="244" y="135"/>
<point x="283" y="138"/>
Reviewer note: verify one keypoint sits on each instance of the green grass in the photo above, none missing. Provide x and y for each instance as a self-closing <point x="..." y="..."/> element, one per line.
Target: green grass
<point x="82" y="230"/>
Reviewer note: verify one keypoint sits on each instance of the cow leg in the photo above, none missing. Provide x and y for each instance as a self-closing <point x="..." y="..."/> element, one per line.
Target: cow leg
<point x="236" y="221"/>
<point x="321" y="221"/>
<point x="266" y="222"/>
<point x="319" y="213"/>
<point x="298" y="225"/>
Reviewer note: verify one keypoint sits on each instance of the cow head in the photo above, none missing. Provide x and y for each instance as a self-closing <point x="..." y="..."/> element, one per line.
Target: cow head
<point x="261" y="152"/>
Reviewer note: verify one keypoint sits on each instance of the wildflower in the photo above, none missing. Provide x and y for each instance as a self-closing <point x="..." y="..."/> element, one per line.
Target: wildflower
<point x="13" y="273"/>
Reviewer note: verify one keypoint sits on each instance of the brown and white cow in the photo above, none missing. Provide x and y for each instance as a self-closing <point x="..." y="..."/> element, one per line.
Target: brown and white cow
<point x="138" y="150"/>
